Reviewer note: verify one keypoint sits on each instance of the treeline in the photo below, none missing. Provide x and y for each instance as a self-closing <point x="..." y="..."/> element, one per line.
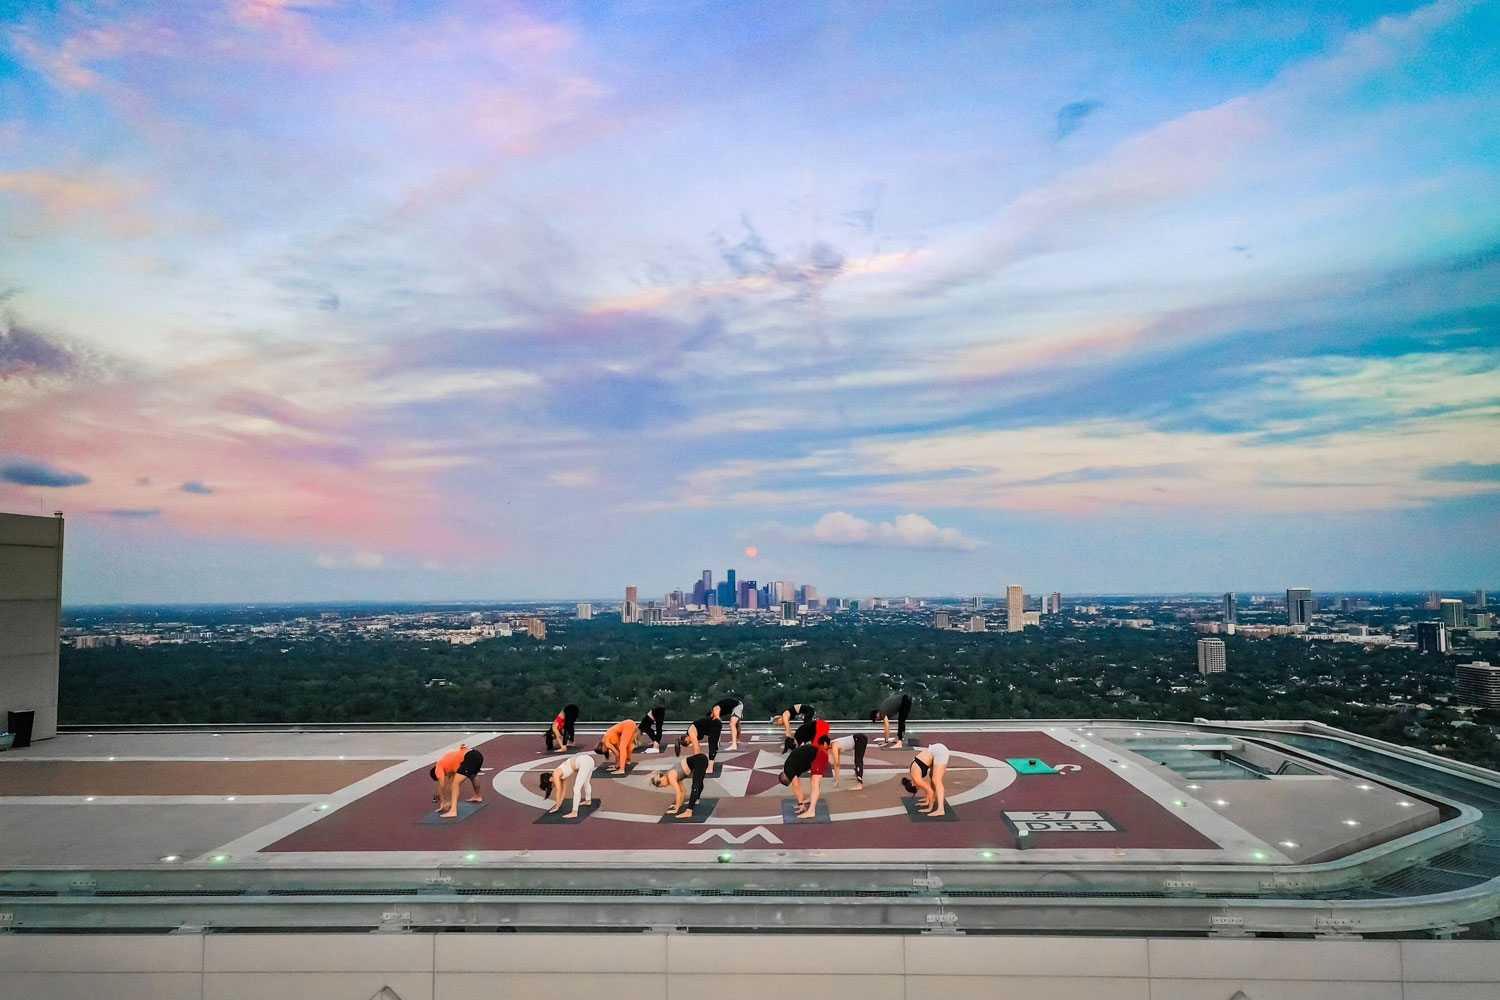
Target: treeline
<point x="613" y="671"/>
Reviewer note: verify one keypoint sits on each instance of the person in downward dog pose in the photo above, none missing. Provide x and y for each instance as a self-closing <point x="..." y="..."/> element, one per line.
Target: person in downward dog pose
<point x="797" y="711"/>
<point x="560" y="734"/>
<point x="696" y="766"/>
<point x="707" y="729"/>
<point x="732" y="709"/>
<point x="899" y="706"/>
<point x="856" y="744"/>
<point x="653" y="725"/>
<point x="924" y="779"/>
<point x="620" y="741"/>
<point x="579" y="767"/>
<point x="810" y="731"/>
<point x="446" y="771"/>
<point x="799" y="762"/>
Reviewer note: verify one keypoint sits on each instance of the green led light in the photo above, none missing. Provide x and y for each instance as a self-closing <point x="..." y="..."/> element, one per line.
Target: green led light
<point x="219" y="858"/>
<point x="321" y="807"/>
<point x="1179" y="803"/>
<point x="986" y="854"/>
<point x="471" y="856"/>
<point x="1258" y="855"/>
<point x="725" y="858"/>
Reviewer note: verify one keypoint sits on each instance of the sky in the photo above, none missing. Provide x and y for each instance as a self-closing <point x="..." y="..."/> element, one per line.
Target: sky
<point x="498" y="300"/>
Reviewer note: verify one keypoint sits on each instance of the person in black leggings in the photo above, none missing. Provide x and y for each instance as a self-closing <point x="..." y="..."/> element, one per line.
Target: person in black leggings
<point x="653" y="724"/>
<point x="560" y="734"/>
<point x="707" y="728"/>
<point x="697" y="767"/>
<point x="898" y="705"/>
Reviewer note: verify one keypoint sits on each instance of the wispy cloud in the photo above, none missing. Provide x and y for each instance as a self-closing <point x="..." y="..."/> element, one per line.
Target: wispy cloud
<point x="1071" y="116"/>
<point x="906" y="531"/>
<point x="24" y="472"/>
<point x="197" y="487"/>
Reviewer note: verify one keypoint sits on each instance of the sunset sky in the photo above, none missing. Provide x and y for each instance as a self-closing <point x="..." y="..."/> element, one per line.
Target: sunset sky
<point x="487" y="300"/>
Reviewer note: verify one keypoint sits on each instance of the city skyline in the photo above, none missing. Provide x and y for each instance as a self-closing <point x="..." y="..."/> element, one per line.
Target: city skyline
<point x="324" y="301"/>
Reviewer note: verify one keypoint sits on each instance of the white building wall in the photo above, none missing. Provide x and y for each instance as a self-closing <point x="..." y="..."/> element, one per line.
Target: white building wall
<point x="30" y="617"/>
<point x="730" y="966"/>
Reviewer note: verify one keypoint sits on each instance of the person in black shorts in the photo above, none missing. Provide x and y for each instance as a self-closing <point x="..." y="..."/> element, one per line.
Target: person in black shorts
<point x="899" y="706"/>
<point x="472" y="764"/>
<point x="707" y="728"/>
<point x="732" y="709"/>
<point x="653" y="725"/>
<point x="799" y="762"/>
<point x="809" y="732"/>
<point x="697" y="766"/>
<point x="797" y="711"/>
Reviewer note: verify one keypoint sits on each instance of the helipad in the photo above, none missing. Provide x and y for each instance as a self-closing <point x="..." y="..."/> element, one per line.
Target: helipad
<point x="1142" y="825"/>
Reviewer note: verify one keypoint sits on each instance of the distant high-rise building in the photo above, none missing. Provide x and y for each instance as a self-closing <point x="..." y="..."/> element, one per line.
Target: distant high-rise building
<point x="743" y="590"/>
<point x="1230" y="610"/>
<point x="1299" y="606"/>
<point x="1480" y="599"/>
<point x="732" y="591"/>
<point x="675" y="601"/>
<point x="809" y="594"/>
<point x="1054" y="604"/>
<point x="752" y="597"/>
<point x="977" y="603"/>
<point x="652" y="615"/>
<point x="535" y="627"/>
<point x="1211" y="659"/>
<point x="1432" y="600"/>
<point x="585" y="612"/>
<point x="976" y="623"/>
<point x="1452" y="612"/>
<point x="630" y="610"/>
<point x="699" y="594"/>
<point x="1432" y="637"/>
<point x="1479" y="684"/>
<point x="725" y="594"/>
<point x="940" y="620"/>
<point x="788" y="611"/>
<point x="1015" y="608"/>
<point x="632" y="594"/>
<point x="707" y="580"/>
<point x="715" y="613"/>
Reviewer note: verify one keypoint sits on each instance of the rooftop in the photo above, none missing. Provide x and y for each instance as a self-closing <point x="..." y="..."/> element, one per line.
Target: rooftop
<point x="1077" y="825"/>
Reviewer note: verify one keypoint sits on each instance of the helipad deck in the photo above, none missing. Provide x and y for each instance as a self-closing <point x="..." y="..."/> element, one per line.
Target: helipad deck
<point x="1168" y="817"/>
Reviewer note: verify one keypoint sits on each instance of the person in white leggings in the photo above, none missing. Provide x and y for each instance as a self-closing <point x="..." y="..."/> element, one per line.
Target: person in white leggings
<point x="579" y="767"/>
<point x="924" y="779"/>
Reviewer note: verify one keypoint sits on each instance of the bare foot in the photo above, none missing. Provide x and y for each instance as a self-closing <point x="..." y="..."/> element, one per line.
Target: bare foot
<point x="935" y="815"/>
<point x="685" y="814"/>
<point x="451" y="815"/>
<point x="553" y="809"/>
<point x="475" y="799"/>
<point x="571" y="815"/>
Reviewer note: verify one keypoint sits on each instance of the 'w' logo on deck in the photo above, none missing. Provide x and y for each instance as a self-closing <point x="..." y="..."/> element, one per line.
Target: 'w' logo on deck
<point x="729" y="838"/>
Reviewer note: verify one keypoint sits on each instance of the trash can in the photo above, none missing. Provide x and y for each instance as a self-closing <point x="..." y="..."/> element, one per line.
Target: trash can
<point x="20" y="724"/>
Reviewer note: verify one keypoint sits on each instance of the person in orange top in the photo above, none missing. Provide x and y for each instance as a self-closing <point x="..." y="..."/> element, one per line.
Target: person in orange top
<point x="446" y="772"/>
<point x="620" y="741"/>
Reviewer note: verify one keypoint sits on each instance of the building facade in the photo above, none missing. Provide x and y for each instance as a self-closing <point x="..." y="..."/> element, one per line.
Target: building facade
<point x="1432" y="637"/>
<point x="1211" y="658"/>
<point x="1479" y="684"/>
<point x="1015" y="608"/>
<point x="1299" y="606"/>
<point x="31" y="559"/>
